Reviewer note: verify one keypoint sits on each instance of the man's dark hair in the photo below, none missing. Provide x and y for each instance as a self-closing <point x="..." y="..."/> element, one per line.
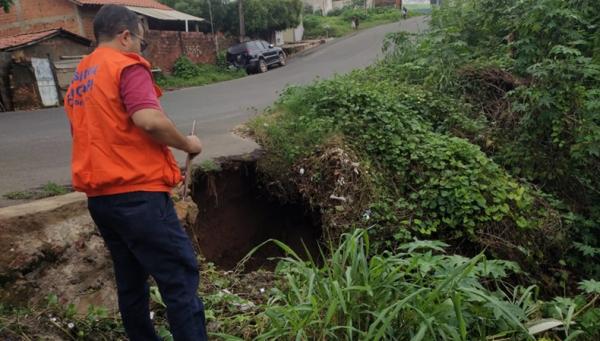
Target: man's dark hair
<point x="114" y="19"/>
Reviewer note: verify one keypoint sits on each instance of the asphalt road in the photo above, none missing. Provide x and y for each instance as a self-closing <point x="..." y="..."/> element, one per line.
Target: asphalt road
<point x="35" y="146"/>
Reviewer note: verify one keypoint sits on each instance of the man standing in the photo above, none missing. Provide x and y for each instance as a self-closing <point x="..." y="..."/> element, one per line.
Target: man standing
<point x="121" y="160"/>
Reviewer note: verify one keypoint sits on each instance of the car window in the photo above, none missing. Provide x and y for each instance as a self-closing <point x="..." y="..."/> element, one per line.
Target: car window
<point x="237" y="48"/>
<point x="250" y="46"/>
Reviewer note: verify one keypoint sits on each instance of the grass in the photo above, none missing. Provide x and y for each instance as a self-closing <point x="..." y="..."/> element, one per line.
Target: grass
<point x="208" y="74"/>
<point x="417" y="291"/>
<point x="418" y="9"/>
<point x="317" y="26"/>
<point x="210" y="166"/>
<point x="50" y="189"/>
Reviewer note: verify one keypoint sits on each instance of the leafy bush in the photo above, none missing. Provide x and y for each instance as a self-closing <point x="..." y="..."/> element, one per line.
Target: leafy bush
<point x="185" y="68"/>
<point x="186" y="73"/>
<point x="426" y="182"/>
<point x="530" y="71"/>
<point x="350" y="14"/>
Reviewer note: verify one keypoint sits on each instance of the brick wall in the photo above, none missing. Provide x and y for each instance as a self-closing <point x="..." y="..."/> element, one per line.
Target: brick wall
<point x="55" y="47"/>
<point x="165" y="47"/>
<point x="87" y="14"/>
<point x="38" y="15"/>
<point x="384" y="2"/>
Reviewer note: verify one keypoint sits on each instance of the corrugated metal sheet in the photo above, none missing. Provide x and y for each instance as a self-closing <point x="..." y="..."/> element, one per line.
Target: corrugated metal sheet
<point x="136" y="3"/>
<point x="161" y="14"/>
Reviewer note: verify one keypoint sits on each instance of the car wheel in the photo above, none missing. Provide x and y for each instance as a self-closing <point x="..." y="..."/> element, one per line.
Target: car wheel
<point x="282" y="59"/>
<point x="262" y="66"/>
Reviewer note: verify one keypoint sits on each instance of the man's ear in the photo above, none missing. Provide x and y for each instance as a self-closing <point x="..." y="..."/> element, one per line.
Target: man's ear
<point x="124" y="37"/>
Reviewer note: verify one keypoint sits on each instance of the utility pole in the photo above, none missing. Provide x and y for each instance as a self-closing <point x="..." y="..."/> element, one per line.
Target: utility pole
<point x="242" y="22"/>
<point x="212" y="26"/>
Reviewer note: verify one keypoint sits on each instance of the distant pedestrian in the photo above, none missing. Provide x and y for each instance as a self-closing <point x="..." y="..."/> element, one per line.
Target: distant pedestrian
<point x="357" y="21"/>
<point x="404" y="12"/>
<point x="353" y="23"/>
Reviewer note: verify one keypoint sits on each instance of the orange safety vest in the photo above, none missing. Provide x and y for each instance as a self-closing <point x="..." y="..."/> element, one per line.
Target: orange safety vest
<point x="110" y="154"/>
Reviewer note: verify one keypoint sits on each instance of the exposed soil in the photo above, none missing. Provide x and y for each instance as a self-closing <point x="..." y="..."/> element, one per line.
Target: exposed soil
<point x="237" y="213"/>
<point x="56" y="251"/>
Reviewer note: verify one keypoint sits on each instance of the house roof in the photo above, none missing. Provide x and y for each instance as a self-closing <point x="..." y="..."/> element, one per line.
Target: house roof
<point x="161" y="14"/>
<point x="136" y="3"/>
<point x="23" y="40"/>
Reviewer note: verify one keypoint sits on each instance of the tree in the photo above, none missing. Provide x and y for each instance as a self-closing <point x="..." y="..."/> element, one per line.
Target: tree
<point x="221" y="10"/>
<point x="262" y="17"/>
<point x="6" y="5"/>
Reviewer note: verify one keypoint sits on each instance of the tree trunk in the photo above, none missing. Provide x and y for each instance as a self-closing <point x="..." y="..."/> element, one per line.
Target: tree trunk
<point x="242" y="22"/>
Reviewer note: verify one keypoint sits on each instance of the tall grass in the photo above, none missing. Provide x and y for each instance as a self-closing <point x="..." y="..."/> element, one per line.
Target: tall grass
<point x="416" y="293"/>
<point x="318" y="26"/>
<point x="206" y="74"/>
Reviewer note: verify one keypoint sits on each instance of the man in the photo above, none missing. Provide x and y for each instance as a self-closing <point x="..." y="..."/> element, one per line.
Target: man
<point x="122" y="162"/>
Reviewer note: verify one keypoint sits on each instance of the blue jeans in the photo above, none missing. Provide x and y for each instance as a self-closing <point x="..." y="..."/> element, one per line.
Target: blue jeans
<point x="144" y="237"/>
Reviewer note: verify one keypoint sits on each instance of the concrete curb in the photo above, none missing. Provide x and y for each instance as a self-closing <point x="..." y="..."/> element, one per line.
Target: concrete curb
<point x="42" y="205"/>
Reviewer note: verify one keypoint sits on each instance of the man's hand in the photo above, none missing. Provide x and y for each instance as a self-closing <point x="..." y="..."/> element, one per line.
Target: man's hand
<point x="194" y="146"/>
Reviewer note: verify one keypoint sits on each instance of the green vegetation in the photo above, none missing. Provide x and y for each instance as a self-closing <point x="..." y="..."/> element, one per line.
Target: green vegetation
<point x="472" y="155"/>
<point x="262" y="17"/>
<point x="465" y="132"/>
<point x="48" y="190"/>
<point x="415" y="292"/>
<point x="483" y="133"/>
<point x="338" y="23"/>
<point x="6" y="4"/>
<point x="186" y="74"/>
<point x="209" y="166"/>
<point x="414" y="9"/>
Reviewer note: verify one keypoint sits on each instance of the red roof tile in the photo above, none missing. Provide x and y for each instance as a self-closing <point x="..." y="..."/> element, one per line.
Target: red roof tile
<point x="24" y="39"/>
<point x="136" y="3"/>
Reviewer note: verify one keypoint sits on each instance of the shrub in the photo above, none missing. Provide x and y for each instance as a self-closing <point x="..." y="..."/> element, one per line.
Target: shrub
<point x="185" y="68"/>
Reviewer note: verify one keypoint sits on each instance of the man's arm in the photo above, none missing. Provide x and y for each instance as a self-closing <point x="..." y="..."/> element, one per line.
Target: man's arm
<point x="163" y="131"/>
<point x="141" y="104"/>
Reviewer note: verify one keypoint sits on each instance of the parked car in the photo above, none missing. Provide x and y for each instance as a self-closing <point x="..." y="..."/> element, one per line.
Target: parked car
<point x="255" y="56"/>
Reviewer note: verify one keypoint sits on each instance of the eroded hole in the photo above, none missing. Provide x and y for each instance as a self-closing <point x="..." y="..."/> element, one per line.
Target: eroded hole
<point x="237" y="212"/>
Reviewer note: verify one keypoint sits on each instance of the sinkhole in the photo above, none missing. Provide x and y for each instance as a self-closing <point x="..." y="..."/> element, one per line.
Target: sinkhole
<point x="237" y="211"/>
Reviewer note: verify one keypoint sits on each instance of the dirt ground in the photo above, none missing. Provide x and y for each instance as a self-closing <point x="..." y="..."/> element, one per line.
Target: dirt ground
<point x="55" y="251"/>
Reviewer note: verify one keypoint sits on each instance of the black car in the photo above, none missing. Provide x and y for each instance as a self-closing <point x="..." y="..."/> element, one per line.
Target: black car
<point x="255" y="56"/>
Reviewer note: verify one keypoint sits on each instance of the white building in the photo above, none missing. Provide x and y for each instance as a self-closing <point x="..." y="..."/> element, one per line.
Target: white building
<point x="320" y="5"/>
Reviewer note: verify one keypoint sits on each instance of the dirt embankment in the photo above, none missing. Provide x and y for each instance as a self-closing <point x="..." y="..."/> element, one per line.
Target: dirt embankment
<point x="51" y="246"/>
